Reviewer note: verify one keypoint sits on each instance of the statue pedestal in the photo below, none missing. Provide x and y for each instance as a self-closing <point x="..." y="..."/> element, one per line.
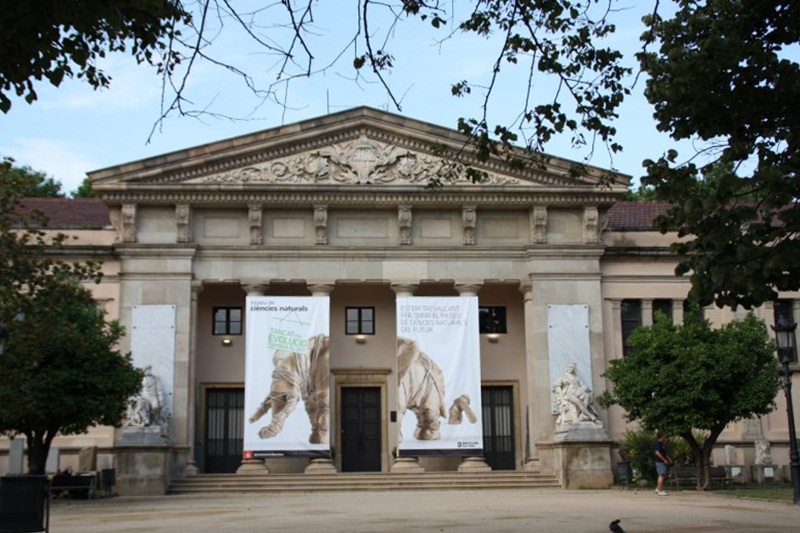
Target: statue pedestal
<point x="142" y="470"/>
<point x="582" y="456"/>
<point x="144" y="436"/>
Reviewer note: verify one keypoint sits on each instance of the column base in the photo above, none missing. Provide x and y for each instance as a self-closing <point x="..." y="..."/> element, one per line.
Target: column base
<point x="474" y="464"/>
<point x="407" y="465"/>
<point x="321" y="466"/>
<point x="253" y="467"/>
<point x="532" y="465"/>
<point x="191" y="469"/>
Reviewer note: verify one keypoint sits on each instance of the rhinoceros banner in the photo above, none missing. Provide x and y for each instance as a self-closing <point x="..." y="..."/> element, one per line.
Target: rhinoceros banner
<point x="438" y="376"/>
<point x="287" y="369"/>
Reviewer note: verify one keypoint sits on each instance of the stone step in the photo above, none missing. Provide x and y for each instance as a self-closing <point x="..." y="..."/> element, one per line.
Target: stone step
<point x="209" y="483"/>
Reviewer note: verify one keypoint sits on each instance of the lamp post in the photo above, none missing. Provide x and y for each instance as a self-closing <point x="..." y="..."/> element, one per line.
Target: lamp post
<point x="3" y="338"/>
<point x="784" y="333"/>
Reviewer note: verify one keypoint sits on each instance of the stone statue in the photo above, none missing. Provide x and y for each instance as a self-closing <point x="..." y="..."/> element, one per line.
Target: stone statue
<point x="763" y="452"/>
<point x="460" y="408"/>
<point x="149" y="407"/>
<point x="573" y="399"/>
<point x="420" y="389"/>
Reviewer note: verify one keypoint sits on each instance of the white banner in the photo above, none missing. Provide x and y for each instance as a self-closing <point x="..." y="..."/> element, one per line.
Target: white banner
<point x="439" y="376"/>
<point x="287" y="376"/>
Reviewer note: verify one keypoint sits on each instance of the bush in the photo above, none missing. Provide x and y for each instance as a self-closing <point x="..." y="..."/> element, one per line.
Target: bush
<point x="637" y="446"/>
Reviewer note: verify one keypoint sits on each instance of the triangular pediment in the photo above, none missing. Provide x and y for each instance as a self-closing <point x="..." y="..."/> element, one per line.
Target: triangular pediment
<point x="359" y="147"/>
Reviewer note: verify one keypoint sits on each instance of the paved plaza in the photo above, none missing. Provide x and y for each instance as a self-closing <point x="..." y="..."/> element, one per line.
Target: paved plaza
<point x="470" y="511"/>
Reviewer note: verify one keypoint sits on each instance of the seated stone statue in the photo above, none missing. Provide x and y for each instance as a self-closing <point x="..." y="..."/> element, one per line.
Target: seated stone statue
<point x="573" y="398"/>
<point x="148" y="407"/>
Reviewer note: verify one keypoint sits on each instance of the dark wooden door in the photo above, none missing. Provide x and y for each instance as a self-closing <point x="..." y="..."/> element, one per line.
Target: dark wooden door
<point x="224" y="430"/>
<point x="498" y="427"/>
<point x="361" y="429"/>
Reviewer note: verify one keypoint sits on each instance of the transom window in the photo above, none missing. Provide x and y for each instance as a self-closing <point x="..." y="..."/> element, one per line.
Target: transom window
<point x="227" y="321"/>
<point x="492" y="320"/>
<point x="359" y="321"/>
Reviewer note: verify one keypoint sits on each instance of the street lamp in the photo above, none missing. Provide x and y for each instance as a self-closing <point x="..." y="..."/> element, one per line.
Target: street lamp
<point x="784" y="333"/>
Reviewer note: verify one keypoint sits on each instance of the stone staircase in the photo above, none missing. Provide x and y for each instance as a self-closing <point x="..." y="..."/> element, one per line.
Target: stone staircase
<point x="281" y="483"/>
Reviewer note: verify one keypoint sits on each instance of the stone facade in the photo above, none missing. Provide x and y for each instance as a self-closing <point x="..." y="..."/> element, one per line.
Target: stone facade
<point x="338" y="205"/>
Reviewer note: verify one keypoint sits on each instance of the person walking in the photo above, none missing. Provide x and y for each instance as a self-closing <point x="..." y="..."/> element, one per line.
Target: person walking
<point x="663" y="461"/>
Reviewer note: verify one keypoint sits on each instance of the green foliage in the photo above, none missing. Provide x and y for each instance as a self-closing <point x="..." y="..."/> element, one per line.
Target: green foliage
<point x="61" y="371"/>
<point x="738" y="212"/>
<point x="637" y="446"/>
<point x="32" y="183"/>
<point x="687" y="378"/>
<point x="85" y="190"/>
<point x="52" y="40"/>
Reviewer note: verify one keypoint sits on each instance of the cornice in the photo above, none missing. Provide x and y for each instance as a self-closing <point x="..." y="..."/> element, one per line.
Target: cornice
<point x="357" y="196"/>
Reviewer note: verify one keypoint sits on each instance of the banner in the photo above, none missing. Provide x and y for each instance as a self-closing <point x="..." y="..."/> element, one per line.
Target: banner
<point x="287" y="377"/>
<point x="439" y="376"/>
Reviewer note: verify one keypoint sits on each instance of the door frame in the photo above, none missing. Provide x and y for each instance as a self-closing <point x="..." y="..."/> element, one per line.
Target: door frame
<point x="360" y="377"/>
<point x="520" y="451"/>
<point x="200" y="419"/>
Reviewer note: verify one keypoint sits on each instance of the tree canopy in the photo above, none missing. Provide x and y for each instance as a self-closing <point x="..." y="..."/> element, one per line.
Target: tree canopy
<point x="61" y="371"/>
<point x="689" y="377"/>
<point x="52" y="40"/>
<point x="723" y="74"/>
<point x="31" y="183"/>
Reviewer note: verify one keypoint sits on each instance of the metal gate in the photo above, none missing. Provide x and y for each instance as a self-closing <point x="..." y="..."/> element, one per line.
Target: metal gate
<point x="498" y="427"/>
<point x="224" y="430"/>
<point x="361" y="429"/>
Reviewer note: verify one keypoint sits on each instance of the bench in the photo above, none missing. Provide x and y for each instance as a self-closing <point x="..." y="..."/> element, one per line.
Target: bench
<point x="78" y="486"/>
<point x="687" y="475"/>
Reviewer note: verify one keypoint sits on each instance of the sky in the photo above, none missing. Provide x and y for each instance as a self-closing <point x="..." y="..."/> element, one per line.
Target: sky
<point x="73" y="129"/>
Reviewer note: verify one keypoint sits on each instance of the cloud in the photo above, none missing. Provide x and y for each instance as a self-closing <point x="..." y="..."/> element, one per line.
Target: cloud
<point x="60" y="159"/>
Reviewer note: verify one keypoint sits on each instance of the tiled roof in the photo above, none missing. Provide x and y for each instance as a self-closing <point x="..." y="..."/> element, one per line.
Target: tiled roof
<point x="634" y="216"/>
<point x="92" y="213"/>
<point x="71" y="213"/>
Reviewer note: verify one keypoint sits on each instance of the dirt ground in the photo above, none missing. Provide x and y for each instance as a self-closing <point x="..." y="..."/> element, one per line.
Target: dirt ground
<point x="471" y="511"/>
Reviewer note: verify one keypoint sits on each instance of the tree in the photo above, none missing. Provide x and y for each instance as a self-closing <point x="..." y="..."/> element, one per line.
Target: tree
<point x="52" y="40"/>
<point x="690" y="377"/>
<point x="723" y="76"/>
<point x="35" y="184"/>
<point x="60" y="371"/>
<point x="84" y="190"/>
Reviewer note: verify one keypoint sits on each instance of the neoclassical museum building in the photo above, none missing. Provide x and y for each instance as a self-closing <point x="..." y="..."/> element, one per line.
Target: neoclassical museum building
<point x="466" y="312"/>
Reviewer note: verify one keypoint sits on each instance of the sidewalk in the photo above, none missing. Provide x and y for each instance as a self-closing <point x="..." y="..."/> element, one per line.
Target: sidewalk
<point x="511" y="511"/>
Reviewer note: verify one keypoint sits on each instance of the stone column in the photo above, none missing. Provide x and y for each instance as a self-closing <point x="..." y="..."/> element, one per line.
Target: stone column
<point x="616" y="319"/>
<point x="191" y="438"/>
<point x="677" y="312"/>
<point x="320" y="465"/>
<point x="647" y="312"/>
<point x="252" y="466"/>
<point x="472" y="463"/>
<point x="404" y="464"/>
<point x="531" y="463"/>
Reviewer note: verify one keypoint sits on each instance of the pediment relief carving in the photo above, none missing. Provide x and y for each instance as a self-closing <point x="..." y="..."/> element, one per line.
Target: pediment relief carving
<point x="358" y="161"/>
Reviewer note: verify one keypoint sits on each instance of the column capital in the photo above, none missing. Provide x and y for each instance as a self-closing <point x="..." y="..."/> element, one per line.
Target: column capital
<point x="468" y="289"/>
<point x="404" y="289"/>
<point x="255" y="289"/>
<point x="320" y="289"/>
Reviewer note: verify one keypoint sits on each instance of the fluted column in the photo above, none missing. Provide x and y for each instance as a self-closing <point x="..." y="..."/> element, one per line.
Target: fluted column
<point x="404" y="464"/>
<point x="254" y="466"/>
<point x="471" y="463"/>
<point x="531" y="453"/>
<point x="191" y="465"/>
<point x="321" y="465"/>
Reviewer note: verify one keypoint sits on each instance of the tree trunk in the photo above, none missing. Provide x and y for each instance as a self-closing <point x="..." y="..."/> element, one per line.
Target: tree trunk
<point x="38" y="449"/>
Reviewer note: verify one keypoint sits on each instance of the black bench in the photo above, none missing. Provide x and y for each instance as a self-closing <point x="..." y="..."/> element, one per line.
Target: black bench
<point x="687" y="475"/>
<point x="78" y="486"/>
